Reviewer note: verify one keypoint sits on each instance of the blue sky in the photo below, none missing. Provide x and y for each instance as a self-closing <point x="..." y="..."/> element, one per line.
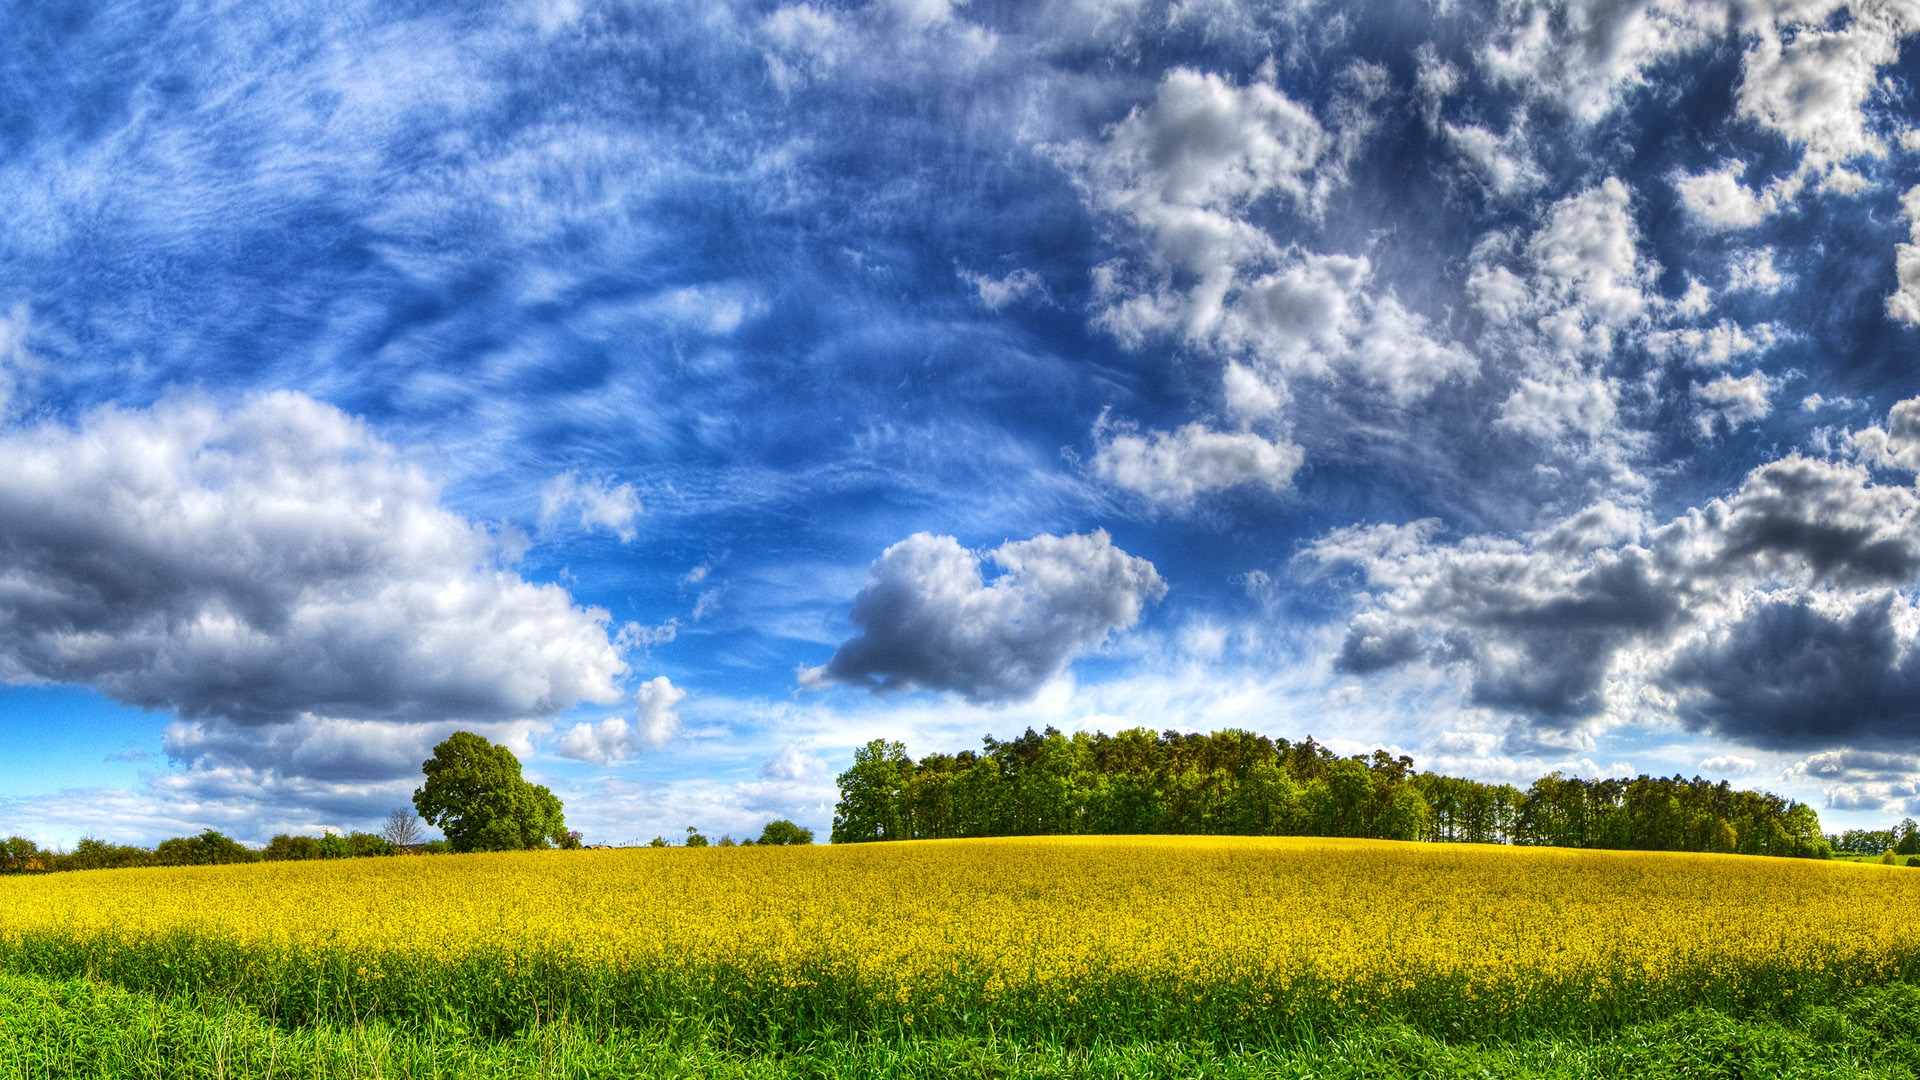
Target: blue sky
<point x="688" y="393"/>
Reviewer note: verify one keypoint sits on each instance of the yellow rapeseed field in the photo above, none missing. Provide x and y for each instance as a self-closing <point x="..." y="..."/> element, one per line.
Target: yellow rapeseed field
<point x="1114" y="932"/>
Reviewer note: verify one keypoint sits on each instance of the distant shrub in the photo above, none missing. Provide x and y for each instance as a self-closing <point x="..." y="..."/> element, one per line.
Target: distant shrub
<point x="285" y="848"/>
<point x="210" y="848"/>
<point x="785" y="832"/>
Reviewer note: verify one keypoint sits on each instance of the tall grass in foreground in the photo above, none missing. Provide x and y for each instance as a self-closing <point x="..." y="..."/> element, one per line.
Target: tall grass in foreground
<point x="1072" y="941"/>
<point x="78" y="1029"/>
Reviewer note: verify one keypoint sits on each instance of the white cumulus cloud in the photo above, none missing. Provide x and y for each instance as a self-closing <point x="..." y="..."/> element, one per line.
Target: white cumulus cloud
<point x="267" y="562"/>
<point x="600" y="504"/>
<point x="1732" y="402"/>
<point x="614" y="740"/>
<point x="1173" y="469"/>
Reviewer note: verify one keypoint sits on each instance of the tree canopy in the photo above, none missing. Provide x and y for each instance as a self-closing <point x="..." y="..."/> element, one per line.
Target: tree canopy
<point x="782" y="832"/>
<point x="1238" y="782"/>
<point x="475" y="794"/>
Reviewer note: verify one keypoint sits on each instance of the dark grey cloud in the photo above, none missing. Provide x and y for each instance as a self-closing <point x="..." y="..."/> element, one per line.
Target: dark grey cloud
<point x="268" y="563"/>
<point x="1780" y="617"/>
<point x="1800" y="519"/>
<point x="1790" y="676"/>
<point x="929" y="620"/>
<point x="1536" y="627"/>
<point x="1375" y="644"/>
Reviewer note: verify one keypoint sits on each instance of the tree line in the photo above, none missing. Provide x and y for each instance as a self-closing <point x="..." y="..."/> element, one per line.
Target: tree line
<point x="474" y="793"/>
<point x="1902" y="839"/>
<point x="1239" y="783"/>
<point x="209" y="848"/>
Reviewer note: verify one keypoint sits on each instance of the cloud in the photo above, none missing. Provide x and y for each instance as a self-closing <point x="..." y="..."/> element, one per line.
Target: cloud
<point x="929" y="620"/>
<point x="1181" y="167"/>
<point x="1799" y="523"/>
<point x="1502" y="163"/>
<point x="1559" y="302"/>
<point x="1731" y="402"/>
<point x="614" y="740"/>
<point x="805" y="44"/>
<point x="1535" y="626"/>
<point x="17" y="364"/>
<point x="1811" y="83"/>
<point x="1587" y="54"/>
<point x="1714" y="346"/>
<point x="1897" y="445"/>
<point x="1586" y="257"/>
<point x="260" y="564"/>
<point x="1561" y="406"/>
<point x="1808" y="74"/>
<point x="795" y="765"/>
<point x="1204" y="186"/>
<point x="603" y="743"/>
<point x="1904" y="304"/>
<point x="327" y="752"/>
<point x="1718" y="200"/>
<point x="1010" y="288"/>
<point x="1172" y="470"/>
<point x="1753" y="271"/>
<point x="1779" y="617"/>
<point x="601" y="504"/>
<point x="1202" y="179"/>
<point x="1799" y="673"/>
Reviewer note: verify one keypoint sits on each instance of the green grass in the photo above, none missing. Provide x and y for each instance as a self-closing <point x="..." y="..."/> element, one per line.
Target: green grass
<point x="497" y="997"/>
<point x="81" y="1028"/>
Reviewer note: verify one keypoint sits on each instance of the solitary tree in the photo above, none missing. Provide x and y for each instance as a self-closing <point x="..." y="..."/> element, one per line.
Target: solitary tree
<point x="402" y="828"/>
<point x="475" y="794"/>
<point x="785" y="832"/>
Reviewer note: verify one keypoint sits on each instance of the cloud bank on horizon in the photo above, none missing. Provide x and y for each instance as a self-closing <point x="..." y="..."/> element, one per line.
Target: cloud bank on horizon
<point x="687" y="393"/>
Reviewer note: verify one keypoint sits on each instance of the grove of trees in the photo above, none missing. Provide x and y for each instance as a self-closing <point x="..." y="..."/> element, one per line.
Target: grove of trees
<point x="1240" y="783"/>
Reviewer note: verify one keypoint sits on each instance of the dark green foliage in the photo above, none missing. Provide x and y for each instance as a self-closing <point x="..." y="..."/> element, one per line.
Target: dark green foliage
<point x="1862" y="841"/>
<point x="1652" y="813"/>
<point x="1230" y="782"/>
<point x="1239" y="783"/>
<point x="784" y="832"/>
<point x="284" y="848"/>
<point x="871" y="795"/>
<point x="210" y="848"/>
<point x="694" y="839"/>
<point x="93" y="854"/>
<point x="1907" y="840"/>
<point x="475" y="794"/>
<point x="20" y="855"/>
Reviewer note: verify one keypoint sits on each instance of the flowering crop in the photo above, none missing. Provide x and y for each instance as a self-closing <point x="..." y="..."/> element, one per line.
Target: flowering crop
<point x="1134" y="936"/>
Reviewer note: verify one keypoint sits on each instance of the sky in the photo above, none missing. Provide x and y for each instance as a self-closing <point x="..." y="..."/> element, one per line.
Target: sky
<point x="686" y="393"/>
